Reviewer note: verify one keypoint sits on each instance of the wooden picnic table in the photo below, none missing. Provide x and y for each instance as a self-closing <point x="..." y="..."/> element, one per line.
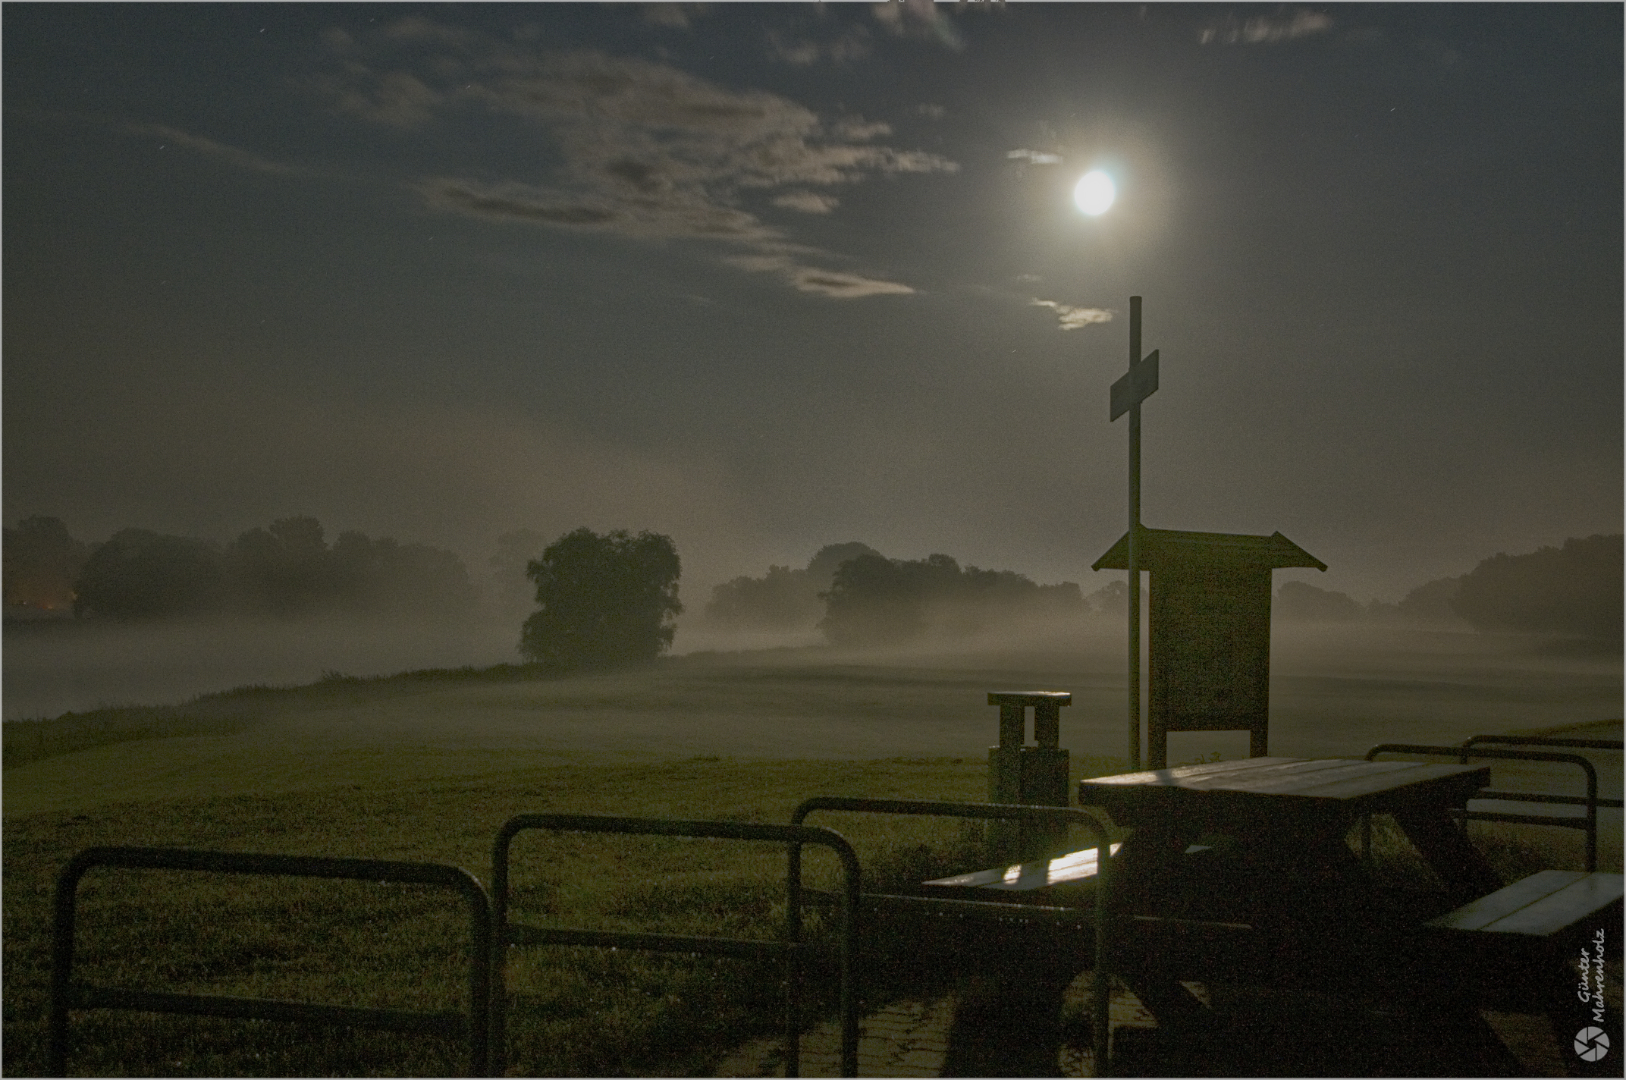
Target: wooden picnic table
<point x="1241" y="871"/>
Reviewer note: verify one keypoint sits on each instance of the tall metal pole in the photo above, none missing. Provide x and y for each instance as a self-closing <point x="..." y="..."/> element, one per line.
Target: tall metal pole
<point x="1134" y="564"/>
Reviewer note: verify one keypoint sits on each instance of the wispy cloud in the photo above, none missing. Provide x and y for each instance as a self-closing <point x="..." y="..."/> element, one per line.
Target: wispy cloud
<point x="1265" y="29"/>
<point x="920" y="19"/>
<point x="648" y="150"/>
<point x="832" y="283"/>
<point x="1034" y="157"/>
<point x="675" y="16"/>
<point x="808" y="202"/>
<point x="219" y="151"/>
<point x="852" y="45"/>
<point x="1073" y="318"/>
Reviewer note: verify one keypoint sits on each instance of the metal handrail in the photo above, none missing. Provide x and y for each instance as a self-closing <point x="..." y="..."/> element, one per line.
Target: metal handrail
<point x="1055" y="815"/>
<point x="67" y="996"/>
<point x="1463" y="753"/>
<point x="506" y="934"/>
<point x="1547" y="740"/>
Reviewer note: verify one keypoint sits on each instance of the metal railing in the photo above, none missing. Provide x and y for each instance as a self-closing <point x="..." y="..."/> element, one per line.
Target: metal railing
<point x="1051" y="815"/>
<point x="1547" y="740"/>
<point x="1589" y="822"/>
<point x="66" y="995"/>
<point x="506" y="933"/>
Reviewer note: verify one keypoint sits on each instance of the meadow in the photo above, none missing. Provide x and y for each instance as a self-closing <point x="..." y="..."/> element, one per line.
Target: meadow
<point x="428" y="765"/>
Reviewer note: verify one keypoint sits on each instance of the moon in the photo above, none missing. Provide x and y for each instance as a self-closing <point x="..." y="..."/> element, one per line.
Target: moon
<point x="1095" y="193"/>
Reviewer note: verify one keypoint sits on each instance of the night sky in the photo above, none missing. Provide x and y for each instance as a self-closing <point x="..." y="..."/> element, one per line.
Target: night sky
<point x="766" y="278"/>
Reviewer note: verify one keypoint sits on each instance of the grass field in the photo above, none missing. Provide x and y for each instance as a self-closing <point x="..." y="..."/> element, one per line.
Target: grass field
<point x="428" y="766"/>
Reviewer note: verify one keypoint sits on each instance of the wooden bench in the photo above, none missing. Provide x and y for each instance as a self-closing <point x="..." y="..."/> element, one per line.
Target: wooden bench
<point x="1550" y="905"/>
<point x="1517" y="948"/>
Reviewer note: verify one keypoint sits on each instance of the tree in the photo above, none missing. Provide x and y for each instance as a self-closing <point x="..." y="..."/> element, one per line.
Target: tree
<point x="1302" y="602"/>
<point x="1575" y="589"/>
<point x="784" y="599"/>
<point x="879" y="601"/>
<point x="1432" y="603"/>
<point x="41" y="562"/>
<point x="140" y="574"/>
<point x="283" y="570"/>
<point x="604" y="600"/>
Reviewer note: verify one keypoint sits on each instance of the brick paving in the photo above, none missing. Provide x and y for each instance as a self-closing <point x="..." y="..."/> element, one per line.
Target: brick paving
<point x="911" y="1037"/>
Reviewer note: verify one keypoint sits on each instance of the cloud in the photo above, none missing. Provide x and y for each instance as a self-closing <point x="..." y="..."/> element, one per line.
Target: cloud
<point x="808" y="202"/>
<point x="850" y="46"/>
<point x="647" y="150"/>
<point x="231" y="155"/>
<point x="831" y="283"/>
<point x="1266" y="29"/>
<point x="674" y="16"/>
<point x="919" y="19"/>
<point x="1073" y="318"/>
<point x="1035" y="157"/>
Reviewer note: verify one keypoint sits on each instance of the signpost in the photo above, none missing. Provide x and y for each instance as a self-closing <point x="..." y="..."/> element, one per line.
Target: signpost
<point x="1127" y="394"/>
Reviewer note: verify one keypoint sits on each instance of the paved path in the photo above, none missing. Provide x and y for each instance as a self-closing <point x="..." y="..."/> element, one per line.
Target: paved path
<point x="910" y="1038"/>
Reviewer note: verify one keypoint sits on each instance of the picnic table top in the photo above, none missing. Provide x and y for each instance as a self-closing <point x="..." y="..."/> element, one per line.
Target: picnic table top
<point x="1277" y="784"/>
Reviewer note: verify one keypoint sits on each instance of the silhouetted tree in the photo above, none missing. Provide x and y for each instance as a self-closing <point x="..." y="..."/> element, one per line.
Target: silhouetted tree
<point x="784" y="599"/>
<point x="605" y="600"/>
<point x="1302" y="602"/>
<point x="284" y="570"/>
<point x="288" y="570"/>
<point x="1575" y="589"/>
<point x="41" y="563"/>
<point x="875" y="601"/>
<point x="140" y="574"/>
<point x="1430" y="604"/>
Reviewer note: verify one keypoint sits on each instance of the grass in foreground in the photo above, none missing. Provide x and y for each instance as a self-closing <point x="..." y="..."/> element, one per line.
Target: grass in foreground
<point x="574" y="1012"/>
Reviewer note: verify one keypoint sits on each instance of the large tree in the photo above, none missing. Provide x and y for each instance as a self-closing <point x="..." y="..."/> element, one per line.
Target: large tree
<point x="604" y="600"/>
<point x="1575" y="589"/>
<point x="140" y="574"/>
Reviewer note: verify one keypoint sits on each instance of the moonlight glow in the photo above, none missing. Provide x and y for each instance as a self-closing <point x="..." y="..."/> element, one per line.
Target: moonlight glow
<point x="1095" y="193"/>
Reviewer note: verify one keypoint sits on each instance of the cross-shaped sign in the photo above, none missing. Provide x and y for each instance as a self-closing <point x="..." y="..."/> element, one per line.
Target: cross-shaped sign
<point x="1135" y="387"/>
<point x="1127" y="394"/>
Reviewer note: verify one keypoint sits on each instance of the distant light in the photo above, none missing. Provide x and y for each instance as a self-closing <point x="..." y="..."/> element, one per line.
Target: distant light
<point x="1095" y="193"/>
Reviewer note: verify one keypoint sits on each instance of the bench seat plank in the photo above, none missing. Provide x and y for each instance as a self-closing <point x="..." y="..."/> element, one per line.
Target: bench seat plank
<point x="1568" y="906"/>
<point x="1539" y="905"/>
<point x="1074" y="866"/>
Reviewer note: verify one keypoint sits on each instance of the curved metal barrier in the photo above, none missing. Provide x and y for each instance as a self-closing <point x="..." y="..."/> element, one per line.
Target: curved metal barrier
<point x="1548" y="740"/>
<point x="66" y="995"/>
<point x="1053" y="815"/>
<point x="506" y="933"/>
<point x="1589" y="822"/>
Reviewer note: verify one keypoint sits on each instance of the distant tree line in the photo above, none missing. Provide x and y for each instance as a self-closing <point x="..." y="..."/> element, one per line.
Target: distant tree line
<point x="857" y="596"/>
<point x="1573" y="590"/>
<point x="283" y="570"/>
<point x="874" y="600"/>
<point x="783" y="599"/>
<point x="41" y="563"/>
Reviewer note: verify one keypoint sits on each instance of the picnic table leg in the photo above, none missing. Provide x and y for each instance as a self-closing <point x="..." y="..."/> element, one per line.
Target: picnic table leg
<point x="1007" y="1018"/>
<point x="1445" y="847"/>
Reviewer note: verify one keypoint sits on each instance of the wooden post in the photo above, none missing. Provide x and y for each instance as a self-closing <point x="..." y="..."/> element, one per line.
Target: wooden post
<point x="1134" y="562"/>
